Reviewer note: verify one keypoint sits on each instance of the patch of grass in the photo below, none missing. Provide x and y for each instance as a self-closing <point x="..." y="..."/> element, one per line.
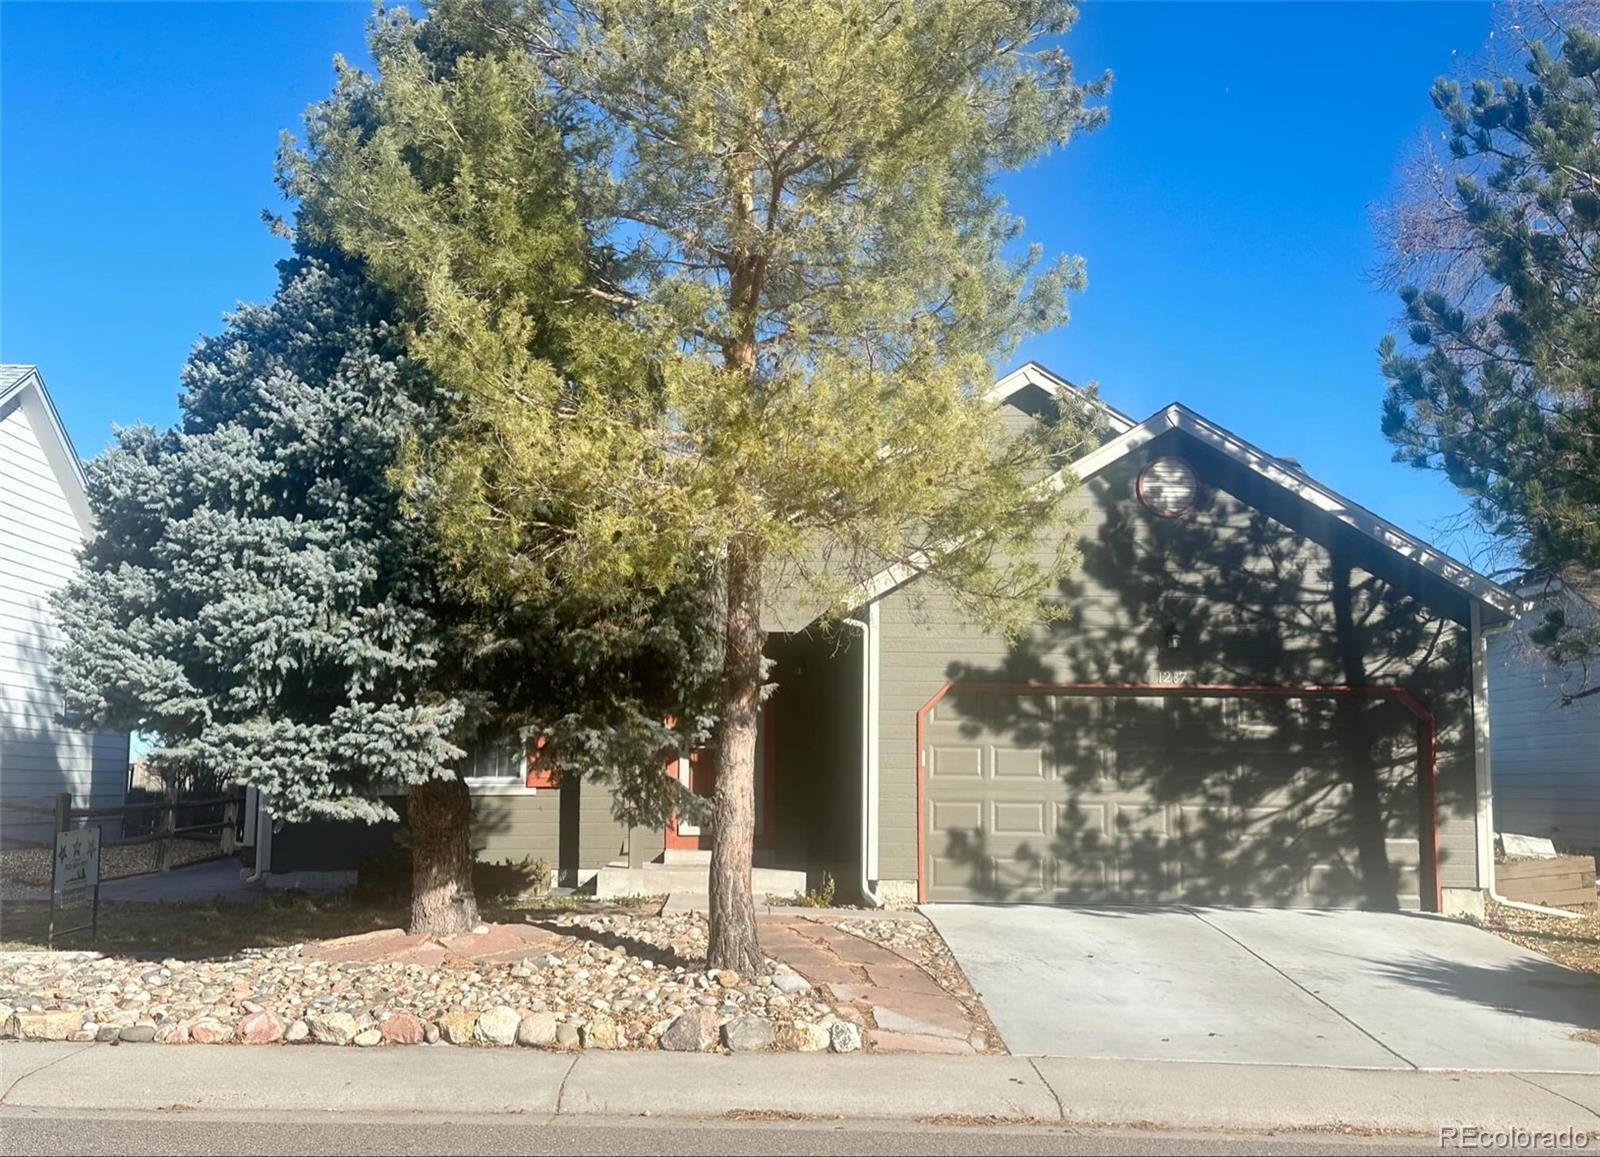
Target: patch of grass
<point x="214" y="928"/>
<point x="210" y="928"/>
<point x="536" y="907"/>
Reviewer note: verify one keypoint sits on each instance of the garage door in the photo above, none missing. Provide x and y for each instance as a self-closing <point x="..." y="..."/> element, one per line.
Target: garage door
<point x="1149" y="799"/>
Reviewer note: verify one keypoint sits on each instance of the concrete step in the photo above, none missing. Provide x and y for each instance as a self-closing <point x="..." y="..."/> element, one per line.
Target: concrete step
<point x="686" y="856"/>
<point x="664" y="879"/>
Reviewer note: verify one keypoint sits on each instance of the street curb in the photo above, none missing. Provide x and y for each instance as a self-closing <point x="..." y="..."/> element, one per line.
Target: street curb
<point x="452" y="1082"/>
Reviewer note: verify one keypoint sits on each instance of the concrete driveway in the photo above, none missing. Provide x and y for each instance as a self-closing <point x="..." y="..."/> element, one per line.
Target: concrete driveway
<point x="1271" y="986"/>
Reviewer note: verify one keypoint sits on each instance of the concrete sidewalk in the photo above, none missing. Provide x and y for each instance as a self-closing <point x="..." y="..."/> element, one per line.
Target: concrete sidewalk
<point x="453" y="1083"/>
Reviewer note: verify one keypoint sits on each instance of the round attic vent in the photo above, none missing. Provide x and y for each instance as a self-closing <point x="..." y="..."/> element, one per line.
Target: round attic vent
<point x="1168" y="487"/>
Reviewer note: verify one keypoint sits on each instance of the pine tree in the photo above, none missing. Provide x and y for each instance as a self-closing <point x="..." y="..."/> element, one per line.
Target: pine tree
<point x="1501" y="388"/>
<point x="764" y="353"/>
<point x="256" y="596"/>
<point x="261" y="597"/>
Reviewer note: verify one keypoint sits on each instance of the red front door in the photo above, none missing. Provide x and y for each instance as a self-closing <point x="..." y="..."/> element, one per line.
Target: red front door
<point x="698" y="772"/>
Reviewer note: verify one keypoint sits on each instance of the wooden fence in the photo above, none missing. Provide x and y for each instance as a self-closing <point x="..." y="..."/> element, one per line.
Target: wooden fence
<point x="172" y="825"/>
<point x="1559" y="881"/>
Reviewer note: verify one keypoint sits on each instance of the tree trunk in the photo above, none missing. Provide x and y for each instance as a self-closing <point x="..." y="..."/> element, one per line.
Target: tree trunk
<point x="440" y="817"/>
<point x="733" y="805"/>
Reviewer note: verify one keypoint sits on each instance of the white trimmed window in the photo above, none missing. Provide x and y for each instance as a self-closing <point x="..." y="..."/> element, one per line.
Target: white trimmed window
<point x="496" y="767"/>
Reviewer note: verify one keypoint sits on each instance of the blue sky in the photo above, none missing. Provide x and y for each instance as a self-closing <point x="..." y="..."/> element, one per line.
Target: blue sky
<point x="1224" y="211"/>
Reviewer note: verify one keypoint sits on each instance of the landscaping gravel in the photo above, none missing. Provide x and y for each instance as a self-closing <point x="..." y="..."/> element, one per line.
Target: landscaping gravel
<point x="1575" y="943"/>
<point x="613" y="981"/>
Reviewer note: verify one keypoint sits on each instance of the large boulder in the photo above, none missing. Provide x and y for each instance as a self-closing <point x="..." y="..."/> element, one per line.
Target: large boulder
<point x="497" y="1026"/>
<point x="54" y="1024"/>
<point x="403" y="1029"/>
<point x="802" y="1037"/>
<point x="602" y="1032"/>
<point x="210" y="1031"/>
<point x="537" y="1030"/>
<point x="332" y="1028"/>
<point x="844" y="1037"/>
<point x="456" y="1027"/>
<point x="261" y="1028"/>
<point x="693" y="1032"/>
<point x="748" y="1034"/>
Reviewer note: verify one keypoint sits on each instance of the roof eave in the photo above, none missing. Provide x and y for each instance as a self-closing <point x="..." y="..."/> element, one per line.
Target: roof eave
<point x="30" y="393"/>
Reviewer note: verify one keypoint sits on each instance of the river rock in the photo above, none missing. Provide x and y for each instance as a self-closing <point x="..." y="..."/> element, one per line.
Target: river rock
<point x="693" y="1032"/>
<point x="790" y="982"/>
<point x="209" y="1031"/>
<point x="802" y="1037"/>
<point x="600" y="1033"/>
<point x="332" y="1028"/>
<point x="747" y="1034"/>
<point x="537" y="1030"/>
<point x="497" y="1026"/>
<point x="456" y="1027"/>
<point x="261" y="1028"/>
<point x="402" y="1029"/>
<point x="56" y="1024"/>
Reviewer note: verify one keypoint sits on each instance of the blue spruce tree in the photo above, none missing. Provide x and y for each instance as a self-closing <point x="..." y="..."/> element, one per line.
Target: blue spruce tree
<point x="259" y="598"/>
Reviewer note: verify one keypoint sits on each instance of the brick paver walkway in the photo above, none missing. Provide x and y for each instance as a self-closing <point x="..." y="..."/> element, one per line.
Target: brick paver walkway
<point x="900" y="1007"/>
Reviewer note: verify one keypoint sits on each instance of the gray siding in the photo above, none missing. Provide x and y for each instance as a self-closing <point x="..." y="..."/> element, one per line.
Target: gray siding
<point x="1545" y="758"/>
<point x="1252" y="601"/>
<point x="511" y="827"/>
<point x="39" y="539"/>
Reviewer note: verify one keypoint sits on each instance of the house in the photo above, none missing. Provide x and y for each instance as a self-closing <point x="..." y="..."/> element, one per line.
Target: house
<point x="1545" y="750"/>
<point x="44" y="522"/>
<point x="1264" y="694"/>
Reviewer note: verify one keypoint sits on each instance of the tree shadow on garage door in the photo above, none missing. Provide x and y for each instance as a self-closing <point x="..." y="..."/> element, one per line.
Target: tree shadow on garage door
<point x="1133" y="799"/>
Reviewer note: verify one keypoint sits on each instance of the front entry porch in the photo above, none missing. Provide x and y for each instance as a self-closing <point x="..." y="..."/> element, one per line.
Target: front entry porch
<point x="807" y="784"/>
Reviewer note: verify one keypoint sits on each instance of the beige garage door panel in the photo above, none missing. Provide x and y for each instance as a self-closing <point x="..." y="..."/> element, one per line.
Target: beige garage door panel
<point x="1144" y="799"/>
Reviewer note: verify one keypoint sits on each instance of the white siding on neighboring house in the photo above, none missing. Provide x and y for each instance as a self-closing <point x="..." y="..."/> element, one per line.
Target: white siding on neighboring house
<point x="43" y="518"/>
<point x="1544" y="758"/>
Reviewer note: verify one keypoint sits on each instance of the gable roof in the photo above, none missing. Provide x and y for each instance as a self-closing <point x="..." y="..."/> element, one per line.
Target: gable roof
<point x="1033" y="376"/>
<point x="22" y="387"/>
<point x="1291" y="477"/>
<point x="1287" y="475"/>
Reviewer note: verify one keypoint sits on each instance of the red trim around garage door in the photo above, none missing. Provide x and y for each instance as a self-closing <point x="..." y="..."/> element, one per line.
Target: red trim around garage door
<point x="1427" y="749"/>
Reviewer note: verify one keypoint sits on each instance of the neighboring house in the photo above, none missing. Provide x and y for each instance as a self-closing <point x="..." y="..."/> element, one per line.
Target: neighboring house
<point x="1545" y="752"/>
<point x="44" y="521"/>
<point x="1264" y="694"/>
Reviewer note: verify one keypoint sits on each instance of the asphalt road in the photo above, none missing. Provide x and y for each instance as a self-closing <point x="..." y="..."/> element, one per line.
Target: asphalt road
<point x="33" y="1132"/>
